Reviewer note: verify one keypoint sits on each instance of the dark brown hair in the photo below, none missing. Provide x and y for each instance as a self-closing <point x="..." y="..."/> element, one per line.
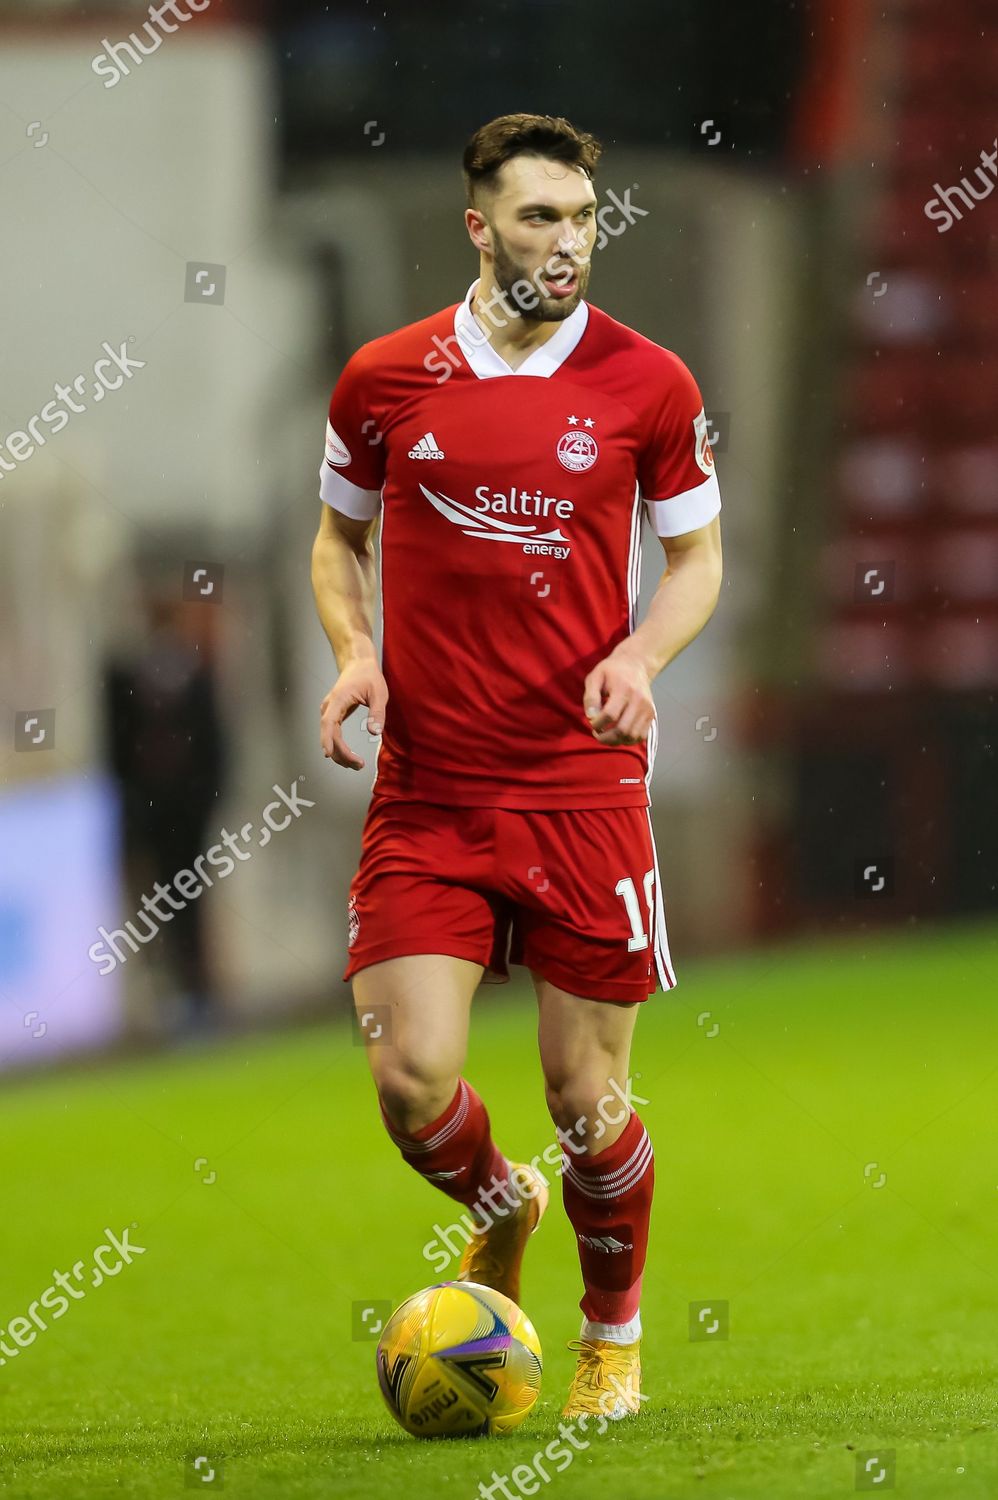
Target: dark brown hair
<point x="525" y="135"/>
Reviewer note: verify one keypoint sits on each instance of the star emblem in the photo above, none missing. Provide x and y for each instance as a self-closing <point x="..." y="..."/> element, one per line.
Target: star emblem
<point x="572" y="421"/>
<point x="588" y="422"/>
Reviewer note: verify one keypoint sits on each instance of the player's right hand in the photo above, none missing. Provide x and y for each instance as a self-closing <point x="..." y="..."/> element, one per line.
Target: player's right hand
<point x="362" y="682"/>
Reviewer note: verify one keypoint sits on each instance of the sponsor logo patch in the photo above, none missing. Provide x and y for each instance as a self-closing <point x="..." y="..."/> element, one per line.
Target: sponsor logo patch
<point x="337" y="452"/>
<point x="704" y="456"/>
<point x="487" y="521"/>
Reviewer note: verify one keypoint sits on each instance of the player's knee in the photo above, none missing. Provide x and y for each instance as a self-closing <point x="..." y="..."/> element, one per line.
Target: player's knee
<point x="410" y="1097"/>
<point x="576" y="1108"/>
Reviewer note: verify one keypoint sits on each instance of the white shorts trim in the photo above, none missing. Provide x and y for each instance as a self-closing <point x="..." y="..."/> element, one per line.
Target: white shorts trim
<point x="659" y="937"/>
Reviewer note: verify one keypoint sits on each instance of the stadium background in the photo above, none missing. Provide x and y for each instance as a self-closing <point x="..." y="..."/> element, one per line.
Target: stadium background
<point x="270" y="187"/>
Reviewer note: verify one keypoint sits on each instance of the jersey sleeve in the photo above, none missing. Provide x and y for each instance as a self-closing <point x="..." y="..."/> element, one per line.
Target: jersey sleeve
<point x="352" y="471"/>
<point x="676" y="467"/>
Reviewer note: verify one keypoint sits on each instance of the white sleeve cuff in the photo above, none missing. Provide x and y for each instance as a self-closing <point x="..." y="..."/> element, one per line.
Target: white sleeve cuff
<point x="349" y="499"/>
<point x="686" y="512"/>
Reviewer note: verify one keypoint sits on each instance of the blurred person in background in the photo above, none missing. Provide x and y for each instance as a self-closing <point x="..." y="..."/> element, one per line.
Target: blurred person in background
<point x="167" y="749"/>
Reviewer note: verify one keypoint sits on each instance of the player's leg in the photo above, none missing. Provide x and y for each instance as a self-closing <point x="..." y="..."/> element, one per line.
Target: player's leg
<point x="607" y="1184"/>
<point x="423" y="875"/>
<point x="607" y="1158"/>
<point x="591" y="930"/>
<point x="413" y="1013"/>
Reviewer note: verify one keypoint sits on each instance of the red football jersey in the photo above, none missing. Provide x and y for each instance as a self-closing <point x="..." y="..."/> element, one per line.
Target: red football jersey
<point x="511" y="509"/>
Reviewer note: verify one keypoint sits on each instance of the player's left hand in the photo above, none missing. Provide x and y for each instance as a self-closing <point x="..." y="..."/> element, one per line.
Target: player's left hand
<point x="617" y="699"/>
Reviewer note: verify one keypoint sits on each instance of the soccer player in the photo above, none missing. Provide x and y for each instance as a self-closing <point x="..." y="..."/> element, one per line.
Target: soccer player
<point x="512" y="447"/>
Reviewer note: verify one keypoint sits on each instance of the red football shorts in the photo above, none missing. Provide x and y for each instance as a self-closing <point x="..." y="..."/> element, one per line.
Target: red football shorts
<point x="573" y="895"/>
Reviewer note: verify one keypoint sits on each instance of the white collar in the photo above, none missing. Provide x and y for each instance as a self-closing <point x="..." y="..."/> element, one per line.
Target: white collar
<point x="545" y="359"/>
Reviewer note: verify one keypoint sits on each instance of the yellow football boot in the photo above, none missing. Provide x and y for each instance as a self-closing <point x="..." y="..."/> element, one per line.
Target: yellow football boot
<point x="607" y="1380"/>
<point x="494" y="1255"/>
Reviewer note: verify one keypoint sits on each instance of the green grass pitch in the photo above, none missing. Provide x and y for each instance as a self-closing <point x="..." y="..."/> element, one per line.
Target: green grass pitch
<point x="825" y="1165"/>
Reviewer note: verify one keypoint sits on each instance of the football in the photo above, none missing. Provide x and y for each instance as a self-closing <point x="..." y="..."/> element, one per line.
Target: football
<point x="459" y="1360"/>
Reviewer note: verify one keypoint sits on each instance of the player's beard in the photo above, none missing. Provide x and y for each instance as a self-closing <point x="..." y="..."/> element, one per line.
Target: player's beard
<point x="536" y="306"/>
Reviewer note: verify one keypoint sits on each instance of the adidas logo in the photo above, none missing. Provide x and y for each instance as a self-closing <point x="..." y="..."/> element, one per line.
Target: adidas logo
<point x="426" y="448"/>
<point x="605" y="1242"/>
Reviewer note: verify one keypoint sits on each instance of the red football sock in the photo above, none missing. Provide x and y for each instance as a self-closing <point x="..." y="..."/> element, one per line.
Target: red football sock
<point x="456" y="1152"/>
<point x="608" y="1201"/>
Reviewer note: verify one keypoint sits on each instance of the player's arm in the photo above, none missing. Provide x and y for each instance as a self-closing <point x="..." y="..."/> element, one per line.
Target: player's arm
<point x="344" y="575"/>
<point x="684" y="601"/>
<point x="678" y="482"/>
<point x="618" y="699"/>
<point x="344" y="571"/>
